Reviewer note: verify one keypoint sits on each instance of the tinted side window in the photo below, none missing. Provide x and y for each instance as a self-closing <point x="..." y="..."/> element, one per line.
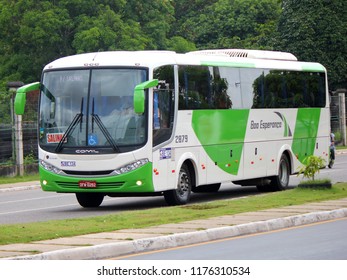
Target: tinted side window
<point x="202" y="87"/>
<point x="289" y="89"/>
<point x="194" y="87"/>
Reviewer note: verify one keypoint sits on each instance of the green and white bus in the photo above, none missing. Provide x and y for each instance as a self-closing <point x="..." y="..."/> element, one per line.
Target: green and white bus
<point x="160" y="123"/>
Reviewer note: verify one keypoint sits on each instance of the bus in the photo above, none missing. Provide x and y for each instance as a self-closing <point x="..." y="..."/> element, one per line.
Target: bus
<point x="148" y="123"/>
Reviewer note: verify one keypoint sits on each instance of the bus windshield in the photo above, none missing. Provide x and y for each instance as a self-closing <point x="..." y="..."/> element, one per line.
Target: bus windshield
<point x="90" y="111"/>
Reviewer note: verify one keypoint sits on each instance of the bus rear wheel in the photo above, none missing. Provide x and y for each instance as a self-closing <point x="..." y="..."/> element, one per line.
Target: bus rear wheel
<point x="281" y="181"/>
<point x="89" y="200"/>
<point x="180" y="195"/>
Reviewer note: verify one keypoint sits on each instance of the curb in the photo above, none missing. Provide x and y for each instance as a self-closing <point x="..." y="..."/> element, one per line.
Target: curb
<point x="23" y="188"/>
<point x="113" y="250"/>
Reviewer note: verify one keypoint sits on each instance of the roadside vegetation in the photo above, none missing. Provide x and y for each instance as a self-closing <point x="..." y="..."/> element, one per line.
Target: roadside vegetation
<point x="28" y="232"/>
<point x="18" y="179"/>
<point x="313" y="30"/>
<point x="341" y="147"/>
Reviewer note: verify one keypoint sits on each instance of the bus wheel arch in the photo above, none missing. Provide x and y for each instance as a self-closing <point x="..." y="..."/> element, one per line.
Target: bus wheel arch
<point x="185" y="183"/>
<point x="191" y="166"/>
<point x="290" y="159"/>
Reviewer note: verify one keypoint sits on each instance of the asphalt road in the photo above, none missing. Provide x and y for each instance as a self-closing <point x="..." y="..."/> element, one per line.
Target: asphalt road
<point x="321" y="241"/>
<point x="36" y="205"/>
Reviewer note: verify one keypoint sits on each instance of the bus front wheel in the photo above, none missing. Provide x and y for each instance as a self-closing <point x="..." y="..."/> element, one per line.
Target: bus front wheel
<point x="180" y="195"/>
<point x="89" y="200"/>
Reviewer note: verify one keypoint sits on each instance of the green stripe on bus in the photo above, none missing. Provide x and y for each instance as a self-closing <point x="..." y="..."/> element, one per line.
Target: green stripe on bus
<point x="109" y="184"/>
<point x="305" y="133"/>
<point x="228" y="64"/>
<point x="222" y="134"/>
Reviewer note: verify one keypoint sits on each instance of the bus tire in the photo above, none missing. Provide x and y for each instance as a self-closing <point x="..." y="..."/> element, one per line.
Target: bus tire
<point x="180" y="195"/>
<point x="280" y="182"/>
<point x="89" y="200"/>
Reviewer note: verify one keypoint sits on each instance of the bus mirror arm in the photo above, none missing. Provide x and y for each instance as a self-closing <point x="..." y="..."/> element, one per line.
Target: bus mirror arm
<point x="139" y="95"/>
<point x="20" y="99"/>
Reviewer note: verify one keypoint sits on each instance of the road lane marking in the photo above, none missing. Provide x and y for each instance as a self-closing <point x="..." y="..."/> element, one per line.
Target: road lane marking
<point x="36" y="209"/>
<point x="29" y="199"/>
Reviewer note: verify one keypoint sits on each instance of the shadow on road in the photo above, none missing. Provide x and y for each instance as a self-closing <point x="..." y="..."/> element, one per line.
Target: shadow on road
<point x="111" y="205"/>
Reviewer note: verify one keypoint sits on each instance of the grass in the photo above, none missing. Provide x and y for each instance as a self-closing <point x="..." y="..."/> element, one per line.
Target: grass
<point x="18" y="179"/>
<point x="316" y="183"/>
<point x="23" y="233"/>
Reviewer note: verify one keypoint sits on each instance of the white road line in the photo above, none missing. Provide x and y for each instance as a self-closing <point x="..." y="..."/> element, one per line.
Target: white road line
<point x="37" y="209"/>
<point x="30" y="199"/>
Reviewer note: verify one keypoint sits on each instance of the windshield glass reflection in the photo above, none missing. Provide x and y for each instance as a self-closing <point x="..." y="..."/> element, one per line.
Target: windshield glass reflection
<point x="91" y="109"/>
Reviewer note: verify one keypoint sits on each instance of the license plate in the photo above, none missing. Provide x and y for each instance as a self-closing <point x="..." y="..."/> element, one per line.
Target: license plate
<point x="87" y="184"/>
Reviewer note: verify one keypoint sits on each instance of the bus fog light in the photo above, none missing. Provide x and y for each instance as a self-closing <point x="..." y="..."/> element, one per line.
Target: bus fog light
<point x="139" y="183"/>
<point x="44" y="182"/>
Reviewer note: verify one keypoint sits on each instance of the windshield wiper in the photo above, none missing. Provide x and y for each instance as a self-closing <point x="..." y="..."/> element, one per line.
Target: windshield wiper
<point x="103" y="129"/>
<point x="77" y="119"/>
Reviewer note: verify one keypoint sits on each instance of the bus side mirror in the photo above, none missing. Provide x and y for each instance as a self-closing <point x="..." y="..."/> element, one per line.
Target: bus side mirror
<point x="20" y="99"/>
<point x="139" y="95"/>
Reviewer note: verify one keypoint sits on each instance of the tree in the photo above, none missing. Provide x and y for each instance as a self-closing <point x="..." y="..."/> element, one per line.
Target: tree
<point x="316" y="30"/>
<point x="155" y="18"/>
<point x="32" y="33"/>
<point x="107" y="31"/>
<point x="180" y="45"/>
<point x="233" y="24"/>
<point x="186" y="13"/>
<point x="312" y="166"/>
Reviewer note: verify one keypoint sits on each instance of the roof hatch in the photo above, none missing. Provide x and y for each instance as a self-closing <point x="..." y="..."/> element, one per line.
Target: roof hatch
<point x="256" y="54"/>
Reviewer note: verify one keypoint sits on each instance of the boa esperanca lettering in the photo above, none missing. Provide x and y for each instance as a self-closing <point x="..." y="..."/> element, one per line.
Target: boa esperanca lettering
<point x="265" y="125"/>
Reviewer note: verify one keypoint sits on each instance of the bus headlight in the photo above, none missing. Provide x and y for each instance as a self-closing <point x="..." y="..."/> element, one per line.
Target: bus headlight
<point x="49" y="167"/>
<point x="131" y="166"/>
